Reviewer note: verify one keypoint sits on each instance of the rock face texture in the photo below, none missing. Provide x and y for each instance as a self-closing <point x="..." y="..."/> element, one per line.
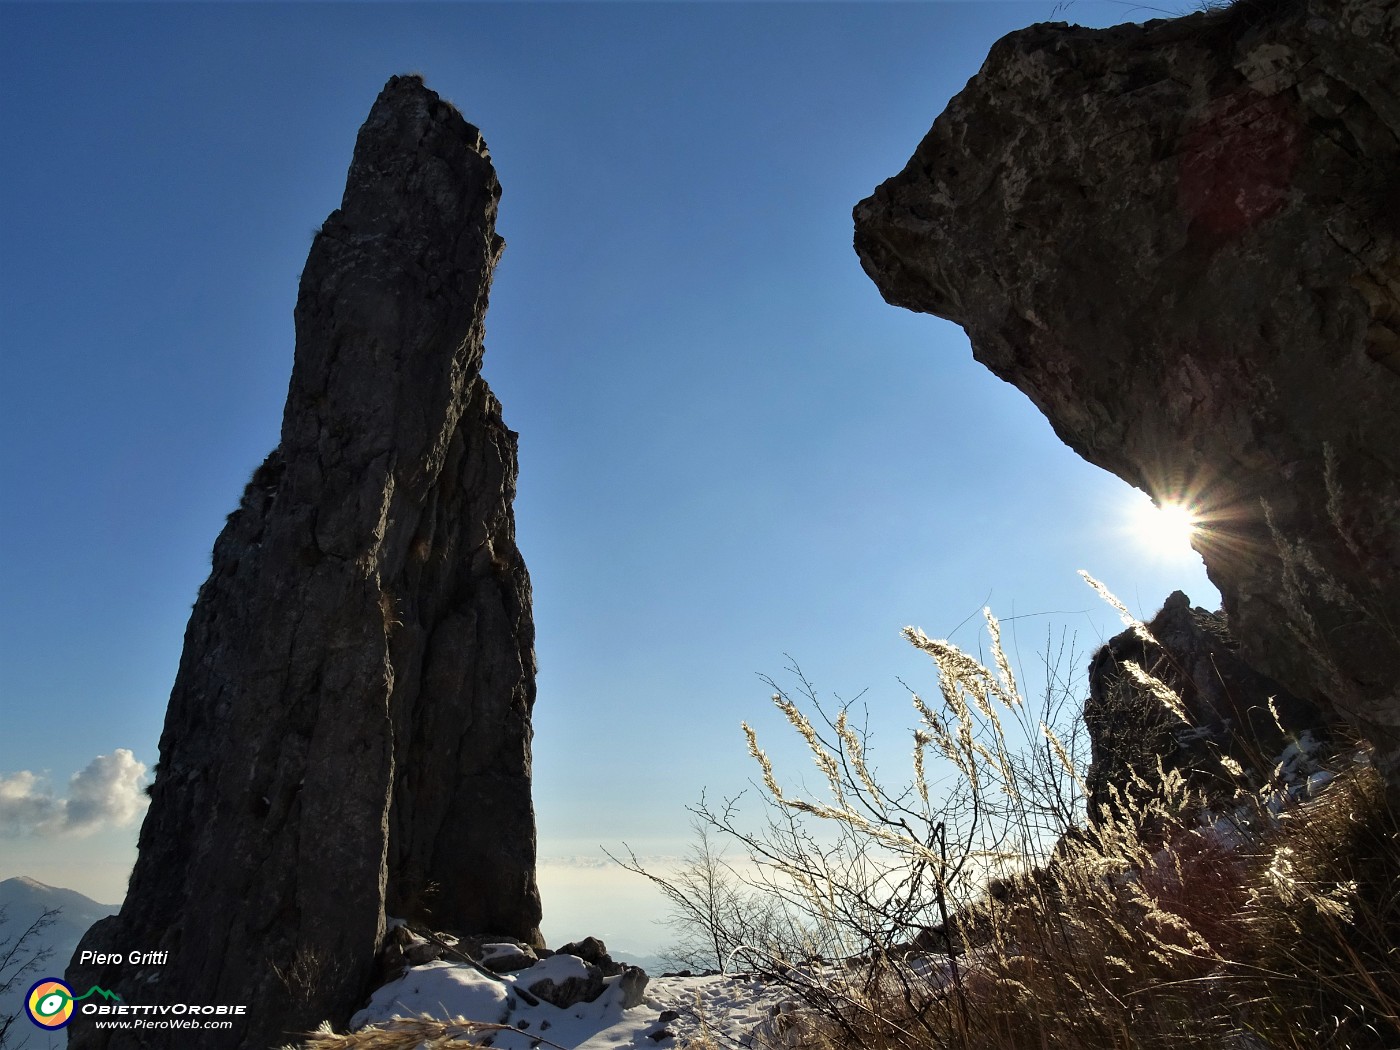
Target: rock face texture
<point x="349" y="729"/>
<point x="1182" y="242"/>
<point x="1230" y="709"/>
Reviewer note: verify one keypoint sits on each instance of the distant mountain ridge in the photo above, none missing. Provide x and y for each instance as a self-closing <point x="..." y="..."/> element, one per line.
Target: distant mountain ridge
<point x="23" y="892"/>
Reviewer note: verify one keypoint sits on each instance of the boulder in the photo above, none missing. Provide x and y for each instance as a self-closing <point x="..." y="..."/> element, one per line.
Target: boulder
<point x="507" y="957"/>
<point x="580" y="972"/>
<point x="632" y="986"/>
<point x="402" y="950"/>
<point x="1182" y="241"/>
<point x="594" y="951"/>
<point x="563" y="980"/>
<point x="349" y="727"/>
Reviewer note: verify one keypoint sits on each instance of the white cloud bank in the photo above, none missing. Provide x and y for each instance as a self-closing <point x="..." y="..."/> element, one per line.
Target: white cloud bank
<point x="109" y="792"/>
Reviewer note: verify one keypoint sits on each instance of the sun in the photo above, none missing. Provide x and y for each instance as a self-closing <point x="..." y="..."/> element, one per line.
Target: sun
<point x="1166" y="528"/>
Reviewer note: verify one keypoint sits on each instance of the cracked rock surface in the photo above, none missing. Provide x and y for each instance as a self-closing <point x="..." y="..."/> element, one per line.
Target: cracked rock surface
<point x="349" y="729"/>
<point x="1182" y="242"/>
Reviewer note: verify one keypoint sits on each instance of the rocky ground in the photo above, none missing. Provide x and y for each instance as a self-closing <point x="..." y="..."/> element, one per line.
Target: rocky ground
<point x="576" y="997"/>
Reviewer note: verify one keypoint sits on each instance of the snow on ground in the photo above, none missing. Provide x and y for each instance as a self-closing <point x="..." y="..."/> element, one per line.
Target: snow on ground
<point x="730" y="1010"/>
<point x="734" y="1011"/>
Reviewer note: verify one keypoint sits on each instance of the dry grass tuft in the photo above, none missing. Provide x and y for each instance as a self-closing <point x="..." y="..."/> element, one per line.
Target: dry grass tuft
<point x="1323" y="922"/>
<point x="974" y="908"/>
<point x="419" y="1033"/>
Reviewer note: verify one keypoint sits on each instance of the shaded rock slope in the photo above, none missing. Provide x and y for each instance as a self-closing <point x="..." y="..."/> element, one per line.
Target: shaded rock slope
<point x="349" y="729"/>
<point x="1182" y="242"/>
<point x="1230" y="709"/>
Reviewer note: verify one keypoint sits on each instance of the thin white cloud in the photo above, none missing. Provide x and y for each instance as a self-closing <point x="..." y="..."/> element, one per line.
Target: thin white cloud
<point x="578" y="862"/>
<point x="109" y="792"/>
<point x="585" y="862"/>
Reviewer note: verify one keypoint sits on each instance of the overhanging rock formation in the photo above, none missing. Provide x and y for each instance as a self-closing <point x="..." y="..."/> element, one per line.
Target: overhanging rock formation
<point x="349" y="729"/>
<point x="1182" y="242"/>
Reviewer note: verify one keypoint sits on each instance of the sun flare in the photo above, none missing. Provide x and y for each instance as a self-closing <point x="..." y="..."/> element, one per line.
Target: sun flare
<point x="1166" y="528"/>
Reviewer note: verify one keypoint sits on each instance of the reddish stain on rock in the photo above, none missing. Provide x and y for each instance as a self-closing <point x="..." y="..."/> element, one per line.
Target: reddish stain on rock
<point x="1237" y="162"/>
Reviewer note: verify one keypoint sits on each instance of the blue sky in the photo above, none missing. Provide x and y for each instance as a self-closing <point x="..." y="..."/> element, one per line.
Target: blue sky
<point x="731" y="449"/>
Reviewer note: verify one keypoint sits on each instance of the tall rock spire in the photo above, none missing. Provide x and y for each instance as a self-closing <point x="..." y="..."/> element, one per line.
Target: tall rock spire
<point x="349" y="729"/>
